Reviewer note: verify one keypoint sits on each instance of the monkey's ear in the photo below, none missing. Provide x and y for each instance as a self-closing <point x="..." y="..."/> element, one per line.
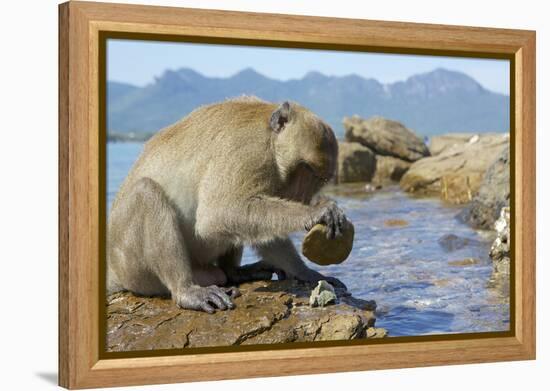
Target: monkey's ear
<point x="280" y="117"/>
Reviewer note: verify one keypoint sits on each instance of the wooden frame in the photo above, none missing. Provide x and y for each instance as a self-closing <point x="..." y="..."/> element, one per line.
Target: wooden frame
<point x="80" y="166"/>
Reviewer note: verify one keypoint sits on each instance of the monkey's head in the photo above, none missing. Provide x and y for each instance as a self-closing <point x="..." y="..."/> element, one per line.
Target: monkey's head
<point x="306" y="150"/>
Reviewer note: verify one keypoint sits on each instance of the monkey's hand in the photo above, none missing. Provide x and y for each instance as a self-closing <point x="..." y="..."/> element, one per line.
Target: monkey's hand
<point x="329" y="214"/>
<point x="207" y="299"/>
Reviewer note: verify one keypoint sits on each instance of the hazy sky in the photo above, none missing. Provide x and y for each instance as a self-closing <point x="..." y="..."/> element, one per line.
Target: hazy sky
<point x="138" y="62"/>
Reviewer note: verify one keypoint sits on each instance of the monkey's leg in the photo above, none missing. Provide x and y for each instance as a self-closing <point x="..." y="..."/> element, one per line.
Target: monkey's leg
<point x="230" y="263"/>
<point x="283" y="254"/>
<point x="151" y="250"/>
<point x="209" y="275"/>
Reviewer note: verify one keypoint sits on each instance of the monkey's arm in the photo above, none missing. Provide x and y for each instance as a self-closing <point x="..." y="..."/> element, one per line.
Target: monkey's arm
<point x="262" y="218"/>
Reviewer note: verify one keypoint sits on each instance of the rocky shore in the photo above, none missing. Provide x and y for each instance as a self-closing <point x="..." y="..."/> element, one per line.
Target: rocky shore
<point x="461" y="168"/>
<point x="500" y="251"/>
<point x="267" y="312"/>
<point x="493" y="194"/>
<point x="456" y="174"/>
<point x="468" y="169"/>
<point x="377" y="150"/>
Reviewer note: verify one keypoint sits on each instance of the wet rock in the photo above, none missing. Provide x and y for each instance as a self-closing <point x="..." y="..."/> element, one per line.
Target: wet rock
<point x="374" y="332"/>
<point x="319" y="249"/>
<point x="370" y="188"/>
<point x="451" y="242"/>
<point x="389" y="169"/>
<point x="464" y="262"/>
<point x="455" y="174"/>
<point x="385" y="137"/>
<point x="268" y="312"/>
<point x="442" y="282"/>
<point x="500" y="249"/>
<point x="396" y="223"/>
<point x="356" y="163"/>
<point x="493" y="194"/>
<point x="322" y="295"/>
<point x="459" y="188"/>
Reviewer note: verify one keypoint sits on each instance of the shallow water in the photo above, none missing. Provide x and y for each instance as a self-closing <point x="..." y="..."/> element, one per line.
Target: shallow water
<point x="417" y="284"/>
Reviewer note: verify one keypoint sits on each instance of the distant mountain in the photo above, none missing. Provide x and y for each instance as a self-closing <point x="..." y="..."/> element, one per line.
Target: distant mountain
<point x="116" y="90"/>
<point x="431" y="103"/>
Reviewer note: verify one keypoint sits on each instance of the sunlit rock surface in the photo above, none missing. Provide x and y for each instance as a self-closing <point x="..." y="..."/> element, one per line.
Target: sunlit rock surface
<point x="268" y="312"/>
<point x="456" y="174"/>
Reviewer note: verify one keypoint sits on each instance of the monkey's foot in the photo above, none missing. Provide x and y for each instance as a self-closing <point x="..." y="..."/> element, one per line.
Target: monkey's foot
<point x="313" y="276"/>
<point x="232" y="291"/>
<point x="259" y="271"/>
<point x="335" y="282"/>
<point x="207" y="299"/>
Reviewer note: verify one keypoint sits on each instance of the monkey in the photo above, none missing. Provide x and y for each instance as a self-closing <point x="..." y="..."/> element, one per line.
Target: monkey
<point x="241" y="172"/>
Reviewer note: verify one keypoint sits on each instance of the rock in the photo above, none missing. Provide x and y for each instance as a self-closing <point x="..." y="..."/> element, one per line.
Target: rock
<point x="442" y="282"/>
<point x="474" y="139"/>
<point x="267" y="312"/>
<point x="385" y="137"/>
<point x="370" y="188"/>
<point x="440" y="143"/>
<point x="451" y="242"/>
<point x="356" y="163"/>
<point x="322" y="295"/>
<point x="455" y="174"/>
<point x="459" y="188"/>
<point x="319" y="249"/>
<point x="500" y="249"/>
<point x="464" y="262"/>
<point x="396" y="223"/>
<point x="374" y="332"/>
<point x="389" y="169"/>
<point x="492" y="196"/>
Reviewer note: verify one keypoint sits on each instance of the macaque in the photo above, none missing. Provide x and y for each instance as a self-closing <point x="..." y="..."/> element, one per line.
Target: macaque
<point x="243" y="172"/>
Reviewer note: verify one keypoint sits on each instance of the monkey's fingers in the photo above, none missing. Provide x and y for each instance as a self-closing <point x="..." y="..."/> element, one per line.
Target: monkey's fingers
<point x="192" y="299"/>
<point x="233" y="292"/>
<point x="341" y="221"/>
<point x="204" y="306"/>
<point x="216" y="301"/>
<point x="220" y="298"/>
<point x="337" y="223"/>
<point x="336" y="283"/>
<point x="331" y="223"/>
<point x="205" y="299"/>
